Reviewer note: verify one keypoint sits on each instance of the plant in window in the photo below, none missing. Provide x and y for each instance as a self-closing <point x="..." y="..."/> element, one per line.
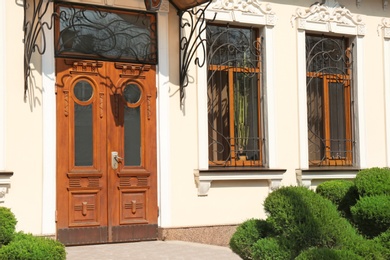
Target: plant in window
<point x="241" y="118"/>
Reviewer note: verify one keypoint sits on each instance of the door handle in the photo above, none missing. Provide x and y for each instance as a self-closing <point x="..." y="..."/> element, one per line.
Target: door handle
<point x="115" y="159"/>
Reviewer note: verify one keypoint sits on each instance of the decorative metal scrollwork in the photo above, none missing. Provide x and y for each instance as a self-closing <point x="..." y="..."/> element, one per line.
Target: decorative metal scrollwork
<point x="34" y="27"/>
<point x="193" y="19"/>
<point x="95" y="33"/>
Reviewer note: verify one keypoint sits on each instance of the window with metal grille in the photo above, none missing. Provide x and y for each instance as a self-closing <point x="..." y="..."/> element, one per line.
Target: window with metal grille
<point x="234" y="96"/>
<point x="329" y="100"/>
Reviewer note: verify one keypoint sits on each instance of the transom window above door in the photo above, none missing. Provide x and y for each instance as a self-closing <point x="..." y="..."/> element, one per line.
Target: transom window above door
<point x="234" y="96"/>
<point x="106" y="34"/>
<point x="329" y="67"/>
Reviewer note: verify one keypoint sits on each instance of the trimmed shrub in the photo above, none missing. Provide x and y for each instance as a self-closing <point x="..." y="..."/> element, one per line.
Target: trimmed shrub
<point x="305" y="219"/>
<point x="342" y="193"/>
<point x="29" y="247"/>
<point x="373" y="181"/>
<point x="384" y="240"/>
<point x="326" y="254"/>
<point x="372" y="215"/>
<point x="247" y="234"/>
<point x="7" y="225"/>
<point x="269" y="249"/>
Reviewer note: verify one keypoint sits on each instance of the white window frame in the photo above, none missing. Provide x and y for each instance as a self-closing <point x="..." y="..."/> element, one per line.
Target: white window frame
<point x="333" y="19"/>
<point x="259" y="15"/>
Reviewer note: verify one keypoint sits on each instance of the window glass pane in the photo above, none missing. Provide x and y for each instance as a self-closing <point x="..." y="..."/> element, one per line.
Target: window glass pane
<point x="218" y="114"/>
<point x="232" y="46"/>
<point x="234" y="77"/>
<point x="83" y="91"/>
<point x="132" y="93"/>
<point x="337" y="120"/>
<point x="246" y="125"/>
<point x="329" y="66"/>
<point x="315" y="119"/>
<point x="83" y="133"/>
<point x="107" y="34"/>
<point x="132" y="131"/>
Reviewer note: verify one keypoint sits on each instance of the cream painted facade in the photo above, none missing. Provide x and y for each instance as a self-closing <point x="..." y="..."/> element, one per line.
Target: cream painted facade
<point x="190" y="194"/>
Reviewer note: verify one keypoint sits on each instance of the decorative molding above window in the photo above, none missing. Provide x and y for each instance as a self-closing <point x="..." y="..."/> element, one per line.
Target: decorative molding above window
<point x="329" y="16"/>
<point x="204" y="178"/>
<point x="243" y="11"/>
<point x="385" y="27"/>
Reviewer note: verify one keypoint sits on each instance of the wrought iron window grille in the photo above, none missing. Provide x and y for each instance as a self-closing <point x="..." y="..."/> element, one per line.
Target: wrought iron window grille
<point x="329" y="86"/>
<point x="234" y="96"/>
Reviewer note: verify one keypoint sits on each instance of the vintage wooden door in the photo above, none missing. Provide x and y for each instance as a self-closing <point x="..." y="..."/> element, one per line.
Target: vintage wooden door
<point x="106" y="155"/>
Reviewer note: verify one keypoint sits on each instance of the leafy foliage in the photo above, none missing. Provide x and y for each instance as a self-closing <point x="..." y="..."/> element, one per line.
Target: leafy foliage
<point x="372" y="215"/>
<point x="29" y="247"/>
<point x="342" y="193"/>
<point x="247" y="234"/>
<point x="269" y="249"/>
<point x="373" y="181"/>
<point x="305" y="219"/>
<point x="327" y="253"/>
<point x="7" y="225"/>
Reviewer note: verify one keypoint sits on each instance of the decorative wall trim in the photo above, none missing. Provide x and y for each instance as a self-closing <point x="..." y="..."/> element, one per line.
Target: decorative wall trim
<point x="204" y="179"/>
<point x="305" y="177"/>
<point x="329" y="16"/>
<point x="242" y="11"/>
<point x="164" y="7"/>
<point x="385" y="27"/>
<point x="5" y="184"/>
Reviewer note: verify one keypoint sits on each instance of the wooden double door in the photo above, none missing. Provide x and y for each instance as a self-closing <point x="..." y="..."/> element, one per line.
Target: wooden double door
<point x="106" y="152"/>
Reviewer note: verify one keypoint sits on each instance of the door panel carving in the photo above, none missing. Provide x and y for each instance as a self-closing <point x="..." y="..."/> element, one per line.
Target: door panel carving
<point x="97" y="114"/>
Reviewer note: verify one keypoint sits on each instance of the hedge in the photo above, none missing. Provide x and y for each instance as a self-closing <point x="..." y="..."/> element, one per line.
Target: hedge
<point x="269" y="249"/>
<point x="372" y="215"/>
<point x="304" y="219"/>
<point x="373" y="181"/>
<point x="29" y="247"/>
<point x="342" y="193"/>
<point x="327" y="254"/>
<point x="7" y="226"/>
<point x="247" y="234"/>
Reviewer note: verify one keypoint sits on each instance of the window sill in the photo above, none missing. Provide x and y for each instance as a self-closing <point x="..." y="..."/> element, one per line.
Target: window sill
<point x="5" y="183"/>
<point x="305" y="176"/>
<point x="204" y="178"/>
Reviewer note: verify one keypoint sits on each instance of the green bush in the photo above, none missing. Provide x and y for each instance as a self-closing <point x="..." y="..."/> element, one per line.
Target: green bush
<point x="372" y="215"/>
<point x="342" y="193"/>
<point x="269" y="249"/>
<point x="7" y="225"/>
<point x="306" y="219"/>
<point x="247" y="234"/>
<point x="29" y="247"/>
<point x="327" y="254"/>
<point x="373" y="181"/>
<point x="384" y="240"/>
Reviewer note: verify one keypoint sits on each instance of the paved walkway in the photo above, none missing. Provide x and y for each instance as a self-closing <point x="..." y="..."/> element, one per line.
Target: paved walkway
<point x="152" y="250"/>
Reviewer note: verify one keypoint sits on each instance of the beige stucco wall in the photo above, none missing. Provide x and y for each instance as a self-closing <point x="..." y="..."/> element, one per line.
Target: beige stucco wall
<point x="227" y="202"/>
<point x="24" y="128"/>
<point x="231" y="202"/>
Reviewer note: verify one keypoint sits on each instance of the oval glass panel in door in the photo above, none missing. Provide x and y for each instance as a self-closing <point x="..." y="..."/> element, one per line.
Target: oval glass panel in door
<point x="132" y="124"/>
<point x="83" y="124"/>
<point x="132" y="93"/>
<point x="83" y="90"/>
